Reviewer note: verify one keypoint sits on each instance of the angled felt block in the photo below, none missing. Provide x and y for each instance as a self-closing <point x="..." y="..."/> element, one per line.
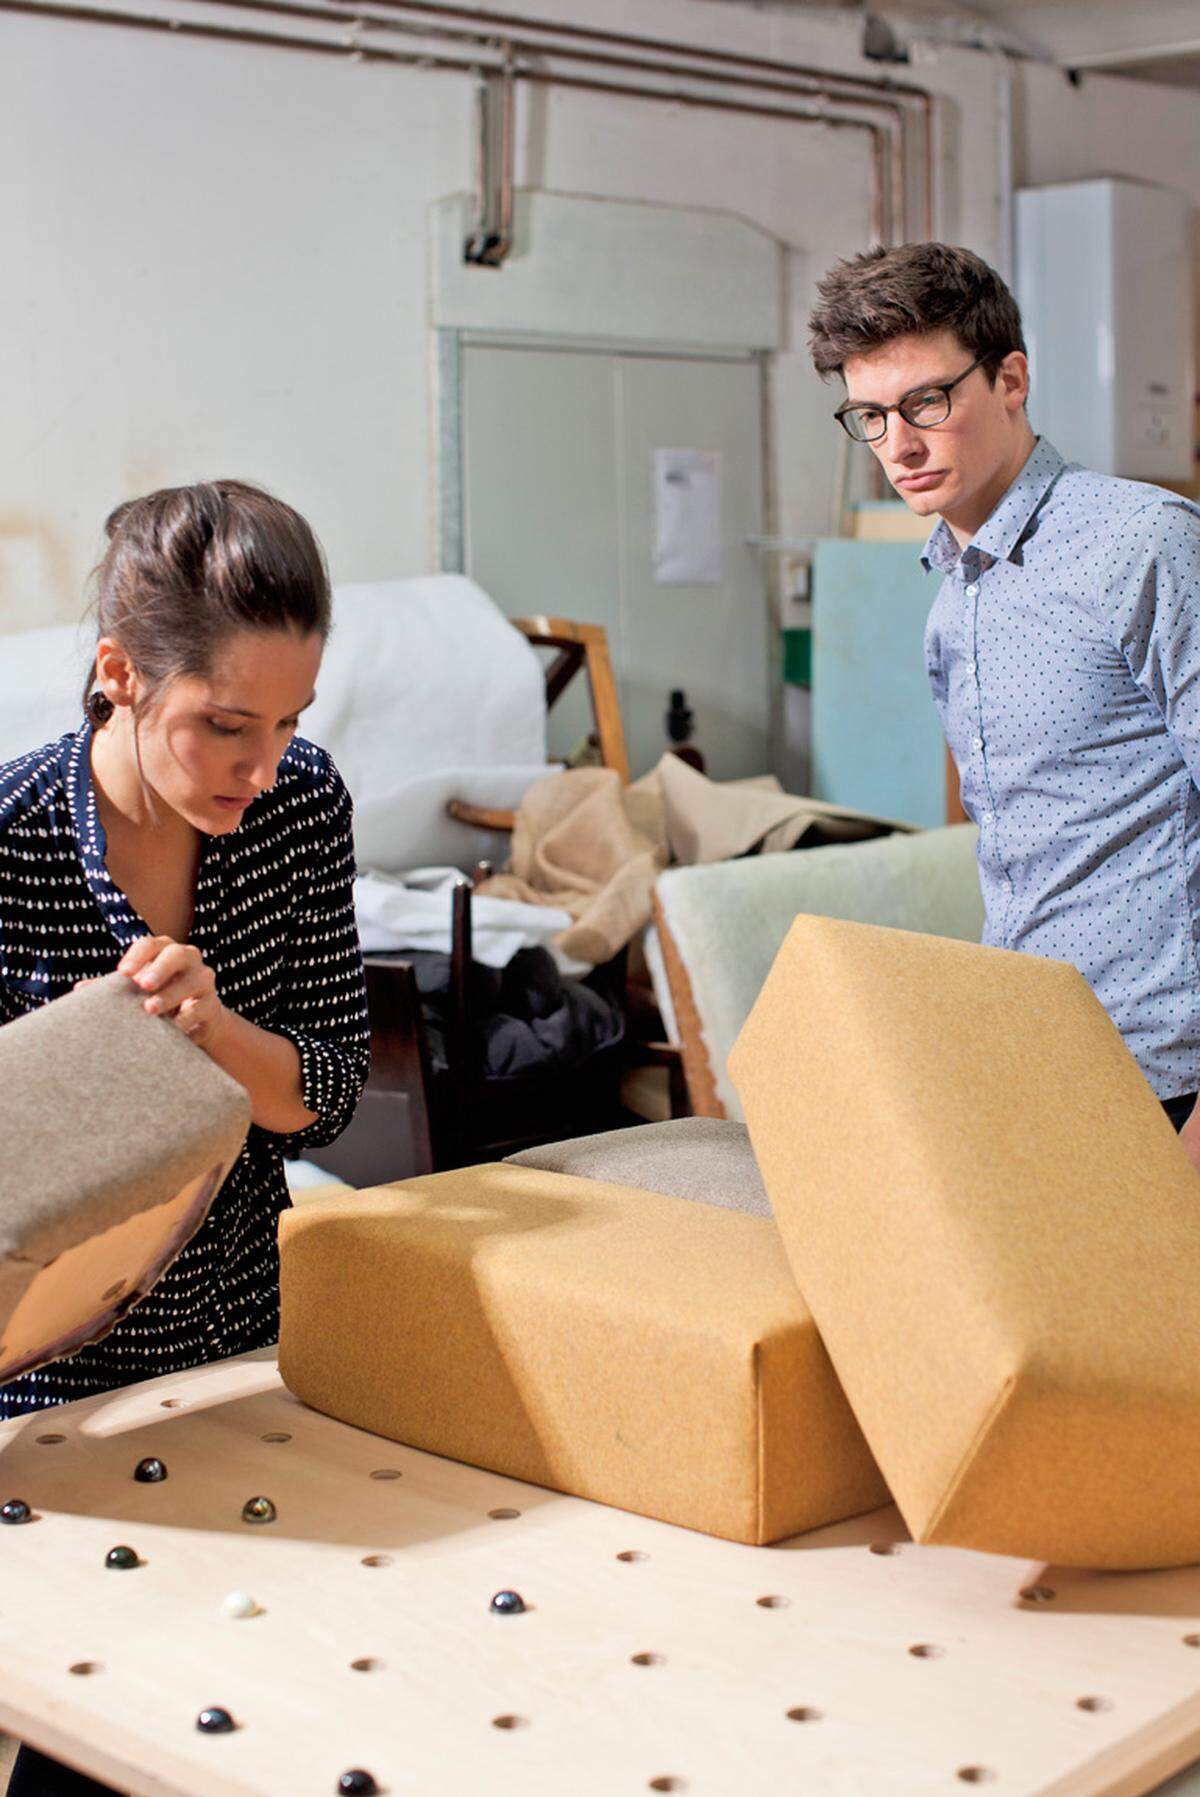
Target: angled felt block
<point x="620" y="1345"/>
<point x="998" y="1234"/>
<point x="118" y="1133"/>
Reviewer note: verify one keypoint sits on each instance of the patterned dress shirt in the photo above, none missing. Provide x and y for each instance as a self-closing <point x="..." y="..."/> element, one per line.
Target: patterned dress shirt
<point x="1063" y="650"/>
<point x="274" y="919"/>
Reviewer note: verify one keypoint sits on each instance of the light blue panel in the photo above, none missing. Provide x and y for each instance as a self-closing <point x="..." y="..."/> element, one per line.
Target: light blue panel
<point x="876" y="740"/>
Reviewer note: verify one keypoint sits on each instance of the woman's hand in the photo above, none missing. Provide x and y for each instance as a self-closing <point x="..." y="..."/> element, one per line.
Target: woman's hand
<point x="178" y="984"/>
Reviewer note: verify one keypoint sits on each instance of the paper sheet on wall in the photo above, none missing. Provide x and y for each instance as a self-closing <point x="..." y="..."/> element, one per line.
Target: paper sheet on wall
<point x="687" y="517"/>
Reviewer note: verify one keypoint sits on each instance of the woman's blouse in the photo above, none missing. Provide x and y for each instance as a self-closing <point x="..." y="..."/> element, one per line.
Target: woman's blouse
<point x="274" y="919"/>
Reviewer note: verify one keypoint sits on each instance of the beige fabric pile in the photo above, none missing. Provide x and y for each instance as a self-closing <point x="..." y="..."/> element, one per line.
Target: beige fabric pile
<point x="591" y="847"/>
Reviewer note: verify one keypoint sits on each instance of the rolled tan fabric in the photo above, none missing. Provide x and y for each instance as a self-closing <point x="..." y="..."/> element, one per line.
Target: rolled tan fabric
<point x="998" y="1234"/>
<point x="118" y="1133"/>
<point x="620" y="1345"/>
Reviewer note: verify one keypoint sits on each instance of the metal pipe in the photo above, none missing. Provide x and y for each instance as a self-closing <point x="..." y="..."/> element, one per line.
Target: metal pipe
<point x="825" y="80"/>
<point x="363" y="52"/>
<point x="507" y="152"/>
<point x="678" y="97"/>
<point x="857" y="90"/>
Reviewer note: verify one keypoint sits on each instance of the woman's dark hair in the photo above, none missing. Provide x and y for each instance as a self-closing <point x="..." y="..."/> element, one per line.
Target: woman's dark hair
<point x="188" y="565"/>
<point x="914" y="290"/>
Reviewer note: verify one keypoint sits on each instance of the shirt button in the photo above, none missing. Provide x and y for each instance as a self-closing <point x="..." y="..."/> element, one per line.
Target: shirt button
<point x="977" y="742"/>
<point x="972" y="591"/>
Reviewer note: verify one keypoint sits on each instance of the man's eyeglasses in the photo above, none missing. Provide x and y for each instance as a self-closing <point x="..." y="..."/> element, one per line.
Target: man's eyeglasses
<point x="923" y="407"/>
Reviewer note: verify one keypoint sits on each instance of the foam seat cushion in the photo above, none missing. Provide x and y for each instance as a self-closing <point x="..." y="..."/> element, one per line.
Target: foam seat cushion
<point x="621" y="1345"/>
<point x="720" y="928"/>
<point x="705" y="1159"/>
<point x="119" y="1134"/>
<point x="998" y="1234"/>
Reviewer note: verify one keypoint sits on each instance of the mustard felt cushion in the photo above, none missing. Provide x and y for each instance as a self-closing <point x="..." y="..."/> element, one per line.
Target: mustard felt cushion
<point x="998" y="1234"/>
<point x="620" y="1345"/>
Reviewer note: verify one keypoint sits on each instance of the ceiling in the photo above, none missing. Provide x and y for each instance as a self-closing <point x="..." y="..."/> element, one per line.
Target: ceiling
<point x="1154" y="40"/>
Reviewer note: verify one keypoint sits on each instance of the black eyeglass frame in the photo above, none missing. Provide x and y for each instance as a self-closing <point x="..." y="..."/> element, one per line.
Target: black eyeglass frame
<point x="946" y="387"/>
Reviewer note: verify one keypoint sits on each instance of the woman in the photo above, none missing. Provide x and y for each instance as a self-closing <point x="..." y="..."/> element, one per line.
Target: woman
<point x="188" y="838"/>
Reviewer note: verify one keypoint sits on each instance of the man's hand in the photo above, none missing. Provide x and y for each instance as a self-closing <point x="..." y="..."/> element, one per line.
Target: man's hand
<point x="1189" y="1138"/>
<point x="178" y="984"/>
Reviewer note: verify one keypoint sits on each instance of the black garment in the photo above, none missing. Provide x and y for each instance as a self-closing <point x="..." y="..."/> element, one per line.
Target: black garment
<point x="274" y="919"/>
<point x="1179" y="1109"/>
<point x="527" y="1019"/>
<point x="33" y="1775"/>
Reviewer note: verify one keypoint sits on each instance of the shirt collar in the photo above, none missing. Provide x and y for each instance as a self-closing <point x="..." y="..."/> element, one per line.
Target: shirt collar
<point x="90" y="839"/>
<point x="998" y="537"/>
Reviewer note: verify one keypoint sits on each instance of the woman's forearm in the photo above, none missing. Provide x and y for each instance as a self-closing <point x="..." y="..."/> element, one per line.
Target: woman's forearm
<point x="267" y="1065"/>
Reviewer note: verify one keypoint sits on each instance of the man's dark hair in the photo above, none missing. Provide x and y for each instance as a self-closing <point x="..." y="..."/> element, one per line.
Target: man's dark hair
<point x="914" y="290"/>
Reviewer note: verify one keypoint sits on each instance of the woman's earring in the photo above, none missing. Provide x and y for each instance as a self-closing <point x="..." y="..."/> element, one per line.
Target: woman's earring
<point x="99" y="708"/>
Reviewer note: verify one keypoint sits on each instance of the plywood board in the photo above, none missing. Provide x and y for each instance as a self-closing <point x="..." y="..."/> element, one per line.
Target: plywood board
<point x="647" y="1659"/>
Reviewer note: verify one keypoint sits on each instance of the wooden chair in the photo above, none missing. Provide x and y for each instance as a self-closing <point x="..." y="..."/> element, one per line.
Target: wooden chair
<point x="410" y="1120"/>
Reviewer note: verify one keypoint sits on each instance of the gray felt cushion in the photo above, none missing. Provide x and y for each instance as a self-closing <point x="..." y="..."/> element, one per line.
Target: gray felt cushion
<point x="702" y="1158"/>
<point x="119" y="1132"/>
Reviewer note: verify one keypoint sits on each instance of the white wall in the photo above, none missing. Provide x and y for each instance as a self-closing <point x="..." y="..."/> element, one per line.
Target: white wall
<point x="215" y="257"/>
<point x="216" y="261"/>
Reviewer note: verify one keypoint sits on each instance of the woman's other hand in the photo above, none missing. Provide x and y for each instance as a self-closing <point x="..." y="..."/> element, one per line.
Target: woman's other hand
<point x="178" y="984"/>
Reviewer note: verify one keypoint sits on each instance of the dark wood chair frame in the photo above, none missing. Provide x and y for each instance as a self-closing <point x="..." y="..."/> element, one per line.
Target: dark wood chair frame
<point x="410" y="1122"/>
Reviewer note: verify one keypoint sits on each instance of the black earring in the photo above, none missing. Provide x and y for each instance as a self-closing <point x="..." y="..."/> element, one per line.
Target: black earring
<point x="99" y="708"/>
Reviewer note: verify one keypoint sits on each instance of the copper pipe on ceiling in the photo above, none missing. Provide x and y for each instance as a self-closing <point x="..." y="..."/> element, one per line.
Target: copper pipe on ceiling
<point x="822" y="79"/>
<point x="363" y="52"/>
<point x="869" y="95"/>
<point x="857" y="92"/>
<point x="878" y="135"/>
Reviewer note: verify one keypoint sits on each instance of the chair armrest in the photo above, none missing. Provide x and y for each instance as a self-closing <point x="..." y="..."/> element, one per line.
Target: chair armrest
<point x="480" y="816"/>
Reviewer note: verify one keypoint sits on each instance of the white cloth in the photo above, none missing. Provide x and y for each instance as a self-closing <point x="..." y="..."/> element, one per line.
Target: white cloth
<point x="415" y="912"/>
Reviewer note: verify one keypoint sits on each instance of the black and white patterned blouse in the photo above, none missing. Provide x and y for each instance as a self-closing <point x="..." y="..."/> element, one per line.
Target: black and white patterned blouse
<point x="274" y="919"/>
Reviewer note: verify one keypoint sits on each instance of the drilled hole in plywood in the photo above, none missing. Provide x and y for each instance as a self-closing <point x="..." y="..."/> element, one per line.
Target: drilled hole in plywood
<point x="668" y="1782"/>
<point x="884" y="1547"/>
<point x="975" y="1775"/>
<point x="804" y="1712"/>
<point x="1038" y="1594"/>
<point x="275" y="1436"/>
<point x="1094" y="1705"/>
<point x="773" y="1602"/>
<point x="631" y="1556"/>
<point x="114" y="1291"/>
<point x="926" y="1650"/>
<point x="85" y="1668"/>
<point x="366" y="1665"/>
<point x="49" y="1441"/>
<point x="377" y="1560"/>
<point x="648" y="1659"/>
<point x="510" y="1722"/>
<point x="511" y="1516"/>
<point x="171" y="1404"/>
<point x="1191" y="1640"/>
<point x="387" y="1472"/>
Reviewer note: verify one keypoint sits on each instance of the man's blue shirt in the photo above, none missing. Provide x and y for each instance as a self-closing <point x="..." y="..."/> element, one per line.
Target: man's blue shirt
<point x="1063" y="650"/>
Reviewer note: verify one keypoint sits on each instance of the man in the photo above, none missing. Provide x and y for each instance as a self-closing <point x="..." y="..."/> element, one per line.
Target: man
<point x="1063" y="647"/>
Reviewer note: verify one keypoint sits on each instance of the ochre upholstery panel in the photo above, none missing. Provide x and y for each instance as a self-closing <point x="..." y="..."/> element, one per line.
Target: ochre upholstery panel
<point x="619" y="1345"/>
<point x="998" y="1234"/>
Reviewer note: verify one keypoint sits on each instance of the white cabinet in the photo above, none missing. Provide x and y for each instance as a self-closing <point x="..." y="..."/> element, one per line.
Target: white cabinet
<point x="1104" y="282"/>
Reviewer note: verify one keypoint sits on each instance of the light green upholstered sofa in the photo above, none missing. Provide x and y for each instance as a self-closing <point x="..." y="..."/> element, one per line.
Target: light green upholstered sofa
<point x="719" y="927"/>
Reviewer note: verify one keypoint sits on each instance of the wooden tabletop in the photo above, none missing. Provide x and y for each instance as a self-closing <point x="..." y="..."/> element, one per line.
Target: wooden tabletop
<point x="649" y="1658"/>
